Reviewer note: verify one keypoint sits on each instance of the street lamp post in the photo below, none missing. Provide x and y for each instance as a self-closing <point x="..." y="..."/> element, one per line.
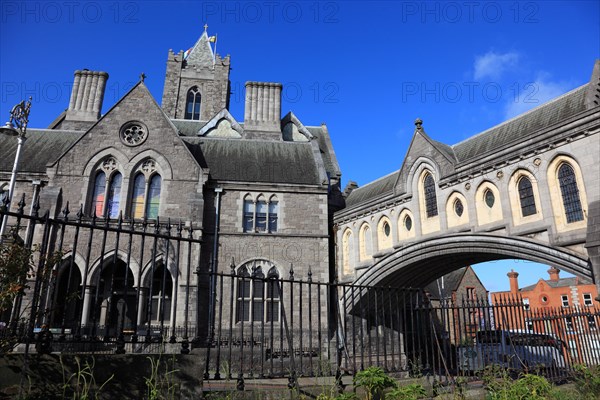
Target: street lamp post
<point x="17" y="127"/>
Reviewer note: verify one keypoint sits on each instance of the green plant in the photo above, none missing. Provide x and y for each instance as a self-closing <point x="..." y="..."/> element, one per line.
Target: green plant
<point x="374" y="381"/>
<point x="412" y="391"/>
<point x="160" y="384"/>
<point x="587" y="380"/>
<point x="81" y="385"/>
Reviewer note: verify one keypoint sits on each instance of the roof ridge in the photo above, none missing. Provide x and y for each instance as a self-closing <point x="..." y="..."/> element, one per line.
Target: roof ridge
<point x="517" y="117"/>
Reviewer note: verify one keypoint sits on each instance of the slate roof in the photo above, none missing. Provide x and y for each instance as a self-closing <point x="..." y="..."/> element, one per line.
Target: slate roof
<point x="562" y="282"/>
<point x="374" y="189"/>
<point x="255" y="160"/>
<point x="43" y="146"/>
<point x="513" y="130"/>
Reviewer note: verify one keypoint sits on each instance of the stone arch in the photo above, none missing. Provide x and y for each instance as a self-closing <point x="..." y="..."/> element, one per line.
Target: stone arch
<point x="514" y="196"/>
<point x="556" y="198"/>
<point x="94" y="271"/>
<point x="417" y="264"/>
<point x="384" y="234"/>
<point x="485" y="213"/>
<point x="455" y="200"/>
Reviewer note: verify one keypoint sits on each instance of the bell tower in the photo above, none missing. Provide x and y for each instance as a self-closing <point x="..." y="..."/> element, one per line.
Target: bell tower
<point x="196" y="82"/>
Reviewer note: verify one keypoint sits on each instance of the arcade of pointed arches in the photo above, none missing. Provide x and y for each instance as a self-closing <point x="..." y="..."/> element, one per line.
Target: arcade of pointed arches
<point x="567" y="198"/>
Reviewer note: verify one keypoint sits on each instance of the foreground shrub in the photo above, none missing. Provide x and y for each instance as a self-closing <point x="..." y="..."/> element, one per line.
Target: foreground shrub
<point x="374" y="381"/>
<point x="413" y="391"/>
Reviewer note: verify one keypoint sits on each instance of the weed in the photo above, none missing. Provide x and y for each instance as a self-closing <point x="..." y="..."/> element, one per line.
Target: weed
<point x="81" y="385"/>
<point x="374" y="380"/>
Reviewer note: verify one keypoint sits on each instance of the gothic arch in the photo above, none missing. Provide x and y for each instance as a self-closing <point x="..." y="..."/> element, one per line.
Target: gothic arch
<point x="515" y="196"/>
<point x="457" y="210"/>
<point x="384" y="234"/>
<point x="94" y="271"/>
<point x="488" y="203"/>
<point x="417" y="264"/>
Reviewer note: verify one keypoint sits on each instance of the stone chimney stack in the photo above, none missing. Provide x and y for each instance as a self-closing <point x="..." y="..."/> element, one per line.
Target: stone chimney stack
<point x="262" y="114"/>
<point x="514" y="281"/>
<point x="86" y="97"/>
<point x="553" y="272"/>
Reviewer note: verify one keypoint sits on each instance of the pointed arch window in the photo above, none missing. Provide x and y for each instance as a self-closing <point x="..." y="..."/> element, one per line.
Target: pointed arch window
<point x="258" y="299"/>
<point x="430" y="197"/>
<point x="570" y="193"/>
<point x="526" y="197"/>
<point x="106" y="192"/>
<point x="192" y="104"/>
<point x="145" y="194"/>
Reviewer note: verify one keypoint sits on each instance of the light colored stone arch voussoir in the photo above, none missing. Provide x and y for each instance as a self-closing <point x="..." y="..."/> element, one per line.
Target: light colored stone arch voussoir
<point x="94" y="271"/>
<point x="94" y="161"/>
<point x="419" y="263"/>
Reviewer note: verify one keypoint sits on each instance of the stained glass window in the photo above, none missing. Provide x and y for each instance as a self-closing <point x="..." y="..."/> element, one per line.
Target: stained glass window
<point x="114" y="196"/>
<point x="570" y="193"/>
<point x="99" y="193"/>
<point x="273" y="211"/>
<point x="526" y="197"/>
<point x="153" y="200"/>
<point x="430" y="197"/>
<point x="138" y="195"/>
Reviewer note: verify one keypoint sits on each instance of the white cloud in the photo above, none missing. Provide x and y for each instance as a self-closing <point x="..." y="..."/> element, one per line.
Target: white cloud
<point x="493" y="65"/>
<point x="533" y="94"/>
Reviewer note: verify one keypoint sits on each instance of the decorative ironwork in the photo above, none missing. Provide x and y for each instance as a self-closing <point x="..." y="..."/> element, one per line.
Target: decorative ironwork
<point x="19" y="116"/>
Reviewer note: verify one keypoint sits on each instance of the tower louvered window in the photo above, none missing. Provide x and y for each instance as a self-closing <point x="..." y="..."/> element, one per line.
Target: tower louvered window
<point x="192" y="104"/>
<point x="570" y="193"/>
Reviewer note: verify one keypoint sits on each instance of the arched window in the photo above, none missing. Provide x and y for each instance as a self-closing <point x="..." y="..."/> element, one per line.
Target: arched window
<point x="365" y="242"/>
<point x="162" y="294"/>
<point x="114" y="196"/>
<point x="97" y="206"/>
<point x="526" y="197"/>
<point x="145" y="193"/>
<point x="347" y="251"/>
<point x="384" y="234"/>
<point x="106" y="192"/>
<point x="570" y="193"/>
<point x="260" y="216"/>
<point x="153" y="200"/>
<point x="257" y="296"/>
<point x="430" y="197"/>
<point x="192" y="104"/>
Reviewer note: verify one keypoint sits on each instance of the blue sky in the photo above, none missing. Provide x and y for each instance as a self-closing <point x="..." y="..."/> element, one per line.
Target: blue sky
<point x="367" y="69"/>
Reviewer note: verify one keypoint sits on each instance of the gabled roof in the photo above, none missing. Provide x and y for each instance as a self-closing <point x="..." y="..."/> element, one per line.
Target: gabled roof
<point x="201" y="54"/>
<point x="42" y="147"/>
<point x="451" y="283"/>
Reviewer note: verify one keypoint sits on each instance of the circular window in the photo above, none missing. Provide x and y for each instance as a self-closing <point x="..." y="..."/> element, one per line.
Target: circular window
<point x="408" y="223"/>
<point x="458" y="207"/>
<point x="544" y="299"/>
<point x="386" y="229"/>
<point x="489" y="197"/>
<point x="133" y="133"/>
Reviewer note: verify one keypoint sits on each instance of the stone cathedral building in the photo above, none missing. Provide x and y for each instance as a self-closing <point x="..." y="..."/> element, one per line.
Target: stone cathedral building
<point x="269" y="182"/>
<point x="265" y="193"/>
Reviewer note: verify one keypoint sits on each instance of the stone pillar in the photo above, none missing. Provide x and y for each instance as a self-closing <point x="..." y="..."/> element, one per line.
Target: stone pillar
<point x="87" y="301"/>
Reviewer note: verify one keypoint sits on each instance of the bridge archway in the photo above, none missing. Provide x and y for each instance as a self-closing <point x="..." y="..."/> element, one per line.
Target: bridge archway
<point x="418" y="264"/>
